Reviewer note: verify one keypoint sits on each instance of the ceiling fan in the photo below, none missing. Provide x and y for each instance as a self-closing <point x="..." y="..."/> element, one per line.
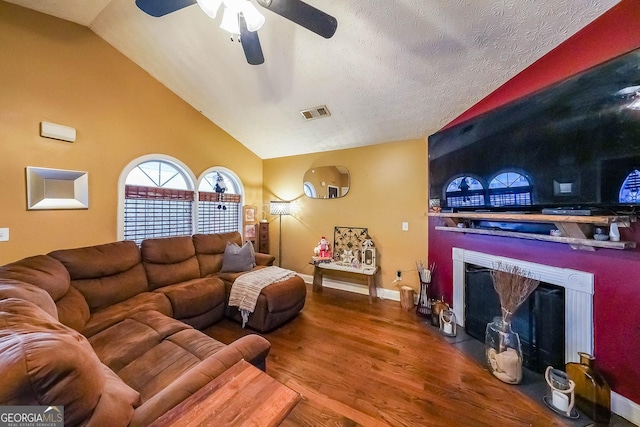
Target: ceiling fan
<point x="240" y="17"/>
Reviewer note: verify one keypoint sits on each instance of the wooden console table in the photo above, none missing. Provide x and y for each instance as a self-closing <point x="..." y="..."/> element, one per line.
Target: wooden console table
<point x="241" y="396"/>
<point x="368" y="273"/>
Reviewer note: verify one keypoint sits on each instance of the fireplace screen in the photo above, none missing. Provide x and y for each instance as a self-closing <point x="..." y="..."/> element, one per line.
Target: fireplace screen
<point x="539" y="321"/>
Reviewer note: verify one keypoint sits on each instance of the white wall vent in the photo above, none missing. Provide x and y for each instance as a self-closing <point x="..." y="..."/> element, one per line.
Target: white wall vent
<point x="315" y="113"/>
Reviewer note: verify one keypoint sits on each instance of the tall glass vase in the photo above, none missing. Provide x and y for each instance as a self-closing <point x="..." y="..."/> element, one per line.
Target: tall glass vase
<point x="503" y="351"/>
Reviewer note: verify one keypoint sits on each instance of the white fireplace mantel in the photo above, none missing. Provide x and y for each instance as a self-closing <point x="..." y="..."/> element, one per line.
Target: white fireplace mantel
<point x="578" y="287"/>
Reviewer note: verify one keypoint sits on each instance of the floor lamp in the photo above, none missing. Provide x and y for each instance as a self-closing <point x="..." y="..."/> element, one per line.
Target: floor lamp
<point x="279" y="207"/>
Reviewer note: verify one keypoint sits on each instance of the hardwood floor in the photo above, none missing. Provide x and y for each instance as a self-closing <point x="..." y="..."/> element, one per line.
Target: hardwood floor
<point x="356" y="363"/>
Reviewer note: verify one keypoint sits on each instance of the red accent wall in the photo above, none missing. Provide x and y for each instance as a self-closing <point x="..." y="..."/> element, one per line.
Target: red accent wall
<point x="616" y="272"/>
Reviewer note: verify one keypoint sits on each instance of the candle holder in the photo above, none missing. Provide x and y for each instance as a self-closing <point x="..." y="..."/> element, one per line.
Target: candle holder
<point x="448" y="324"/>
<point x="561" y="397"/>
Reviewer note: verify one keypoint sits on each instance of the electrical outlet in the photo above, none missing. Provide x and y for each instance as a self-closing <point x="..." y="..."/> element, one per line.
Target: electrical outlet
<point x="405" y="226"/>
<point x="4" y="234"/>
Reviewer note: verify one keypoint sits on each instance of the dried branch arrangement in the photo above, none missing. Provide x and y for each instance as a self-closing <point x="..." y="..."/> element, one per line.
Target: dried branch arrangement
<point x="513" y="285"/>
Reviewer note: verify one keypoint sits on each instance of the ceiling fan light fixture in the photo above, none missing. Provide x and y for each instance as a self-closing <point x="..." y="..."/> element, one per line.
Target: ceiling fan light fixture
<point x="210" y="7"/>
<point x="255" y="20"/>
<point x="230" y="21"/>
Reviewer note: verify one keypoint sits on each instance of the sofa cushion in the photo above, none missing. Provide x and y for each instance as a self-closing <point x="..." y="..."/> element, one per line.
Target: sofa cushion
<point x="210" y="250"/>
<point x="102" y="319"/>
<point x="45" y="363"/>
<point x="105" y="274"/>
<point x="169" y="260"/>
<point x="194" y="297"/>
<point x="135" y="336"/>
<point x="237" y="258"/>
<point x="40" y="270"/>
<point x="10" y="288"/>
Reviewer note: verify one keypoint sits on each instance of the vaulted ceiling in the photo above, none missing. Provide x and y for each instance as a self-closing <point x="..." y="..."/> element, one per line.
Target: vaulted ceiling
<point x="394" y="70"/>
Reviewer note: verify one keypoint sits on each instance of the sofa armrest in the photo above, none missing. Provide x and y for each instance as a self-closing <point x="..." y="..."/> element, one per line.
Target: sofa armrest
<point x="252" y="348"/>
<point x="264" y="259"/>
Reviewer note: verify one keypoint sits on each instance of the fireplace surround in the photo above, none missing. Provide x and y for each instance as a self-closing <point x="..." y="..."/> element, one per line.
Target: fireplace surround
<point x="578" y="285"/>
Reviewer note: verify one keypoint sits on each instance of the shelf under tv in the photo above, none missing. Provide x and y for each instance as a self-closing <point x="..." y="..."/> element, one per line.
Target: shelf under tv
<point x="576" y="229"/>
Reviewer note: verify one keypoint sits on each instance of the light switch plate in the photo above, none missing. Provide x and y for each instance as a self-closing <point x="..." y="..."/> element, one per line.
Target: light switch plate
<point x="4" y="234"/>
<point x="405" y="226"/>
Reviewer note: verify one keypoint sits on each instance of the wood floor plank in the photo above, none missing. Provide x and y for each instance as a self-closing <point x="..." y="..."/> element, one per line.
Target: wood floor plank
<point x="357" y="363"/>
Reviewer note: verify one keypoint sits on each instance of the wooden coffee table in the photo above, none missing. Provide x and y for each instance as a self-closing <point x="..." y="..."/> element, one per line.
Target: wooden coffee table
<point x="241" y="396"/>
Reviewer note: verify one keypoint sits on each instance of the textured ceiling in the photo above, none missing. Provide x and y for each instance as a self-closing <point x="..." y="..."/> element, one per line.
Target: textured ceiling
<point x="394" y="70"/>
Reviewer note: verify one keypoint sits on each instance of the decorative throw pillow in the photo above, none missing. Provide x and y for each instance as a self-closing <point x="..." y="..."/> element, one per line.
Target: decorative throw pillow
<point x="238" y="258"/>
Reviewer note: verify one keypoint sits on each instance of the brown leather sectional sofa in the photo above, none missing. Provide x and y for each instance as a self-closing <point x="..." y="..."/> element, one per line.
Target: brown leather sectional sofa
<point x="111" y="331"/>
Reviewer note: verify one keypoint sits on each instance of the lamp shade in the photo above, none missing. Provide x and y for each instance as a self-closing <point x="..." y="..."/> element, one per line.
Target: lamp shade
<point x="279" y="207"/>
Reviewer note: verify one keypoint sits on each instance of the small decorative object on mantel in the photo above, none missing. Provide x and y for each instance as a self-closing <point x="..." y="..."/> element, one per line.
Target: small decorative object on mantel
<point x="593" y="394"/>
<point x="561" y="397"/>
<point x="448" y="325"/>
<point x="503" y="349"/>
<point x="425" y="275"/>
<point x="434" y="205"/>
<point x="599" y="234"/>
<point x="555" y="232"/>
<point x="614" y="232"/>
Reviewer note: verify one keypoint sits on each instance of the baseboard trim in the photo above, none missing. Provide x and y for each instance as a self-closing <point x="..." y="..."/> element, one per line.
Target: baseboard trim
<point x="626" y="408"/>
<point x="353" y="287"/>
<point x="620" y="405"/>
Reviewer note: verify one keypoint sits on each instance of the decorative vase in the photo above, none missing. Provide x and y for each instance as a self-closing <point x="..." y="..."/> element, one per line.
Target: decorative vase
<point x="593" y="394"/>
<point x="424" y="303"/>
<point x="503" y="351"/>
<point x="436" y="307"/>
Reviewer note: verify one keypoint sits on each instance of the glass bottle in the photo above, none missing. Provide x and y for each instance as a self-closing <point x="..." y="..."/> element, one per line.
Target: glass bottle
<point x="503" y="351"/>
<point x="593" y="394"/>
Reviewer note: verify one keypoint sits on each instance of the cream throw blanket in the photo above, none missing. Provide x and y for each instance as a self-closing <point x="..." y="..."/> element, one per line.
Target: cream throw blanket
<point x="246" y="288"/>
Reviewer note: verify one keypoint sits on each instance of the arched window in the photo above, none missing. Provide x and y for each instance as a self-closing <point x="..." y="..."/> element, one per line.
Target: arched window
<point x="509" y="189"/>
<point x="158" y="199"/>
<point x="310" y="190"/>
<point x="219" y="201"/>
<point x="630" y="189"/>
<point x="464" y="191"/>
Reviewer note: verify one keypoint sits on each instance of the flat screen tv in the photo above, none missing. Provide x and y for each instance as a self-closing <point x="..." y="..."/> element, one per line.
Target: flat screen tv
<point x="573" y="145"/>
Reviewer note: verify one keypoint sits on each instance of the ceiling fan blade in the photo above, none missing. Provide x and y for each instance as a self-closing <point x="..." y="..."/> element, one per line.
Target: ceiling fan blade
<point x="304" y="15"/>
<point x="250" y="43"/>
<point x="159" y="8"/>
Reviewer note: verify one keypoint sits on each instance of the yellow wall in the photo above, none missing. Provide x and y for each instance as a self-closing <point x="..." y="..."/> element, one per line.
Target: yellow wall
<point x="57" y="71"/>
<point x="388" y="186"/>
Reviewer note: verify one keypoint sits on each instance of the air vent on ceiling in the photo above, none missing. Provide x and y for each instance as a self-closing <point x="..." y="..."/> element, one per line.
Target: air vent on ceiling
<point x="315" y="113"/>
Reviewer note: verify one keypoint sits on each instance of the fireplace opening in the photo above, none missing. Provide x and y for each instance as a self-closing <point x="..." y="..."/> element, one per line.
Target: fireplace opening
<point x="539" y="321"/>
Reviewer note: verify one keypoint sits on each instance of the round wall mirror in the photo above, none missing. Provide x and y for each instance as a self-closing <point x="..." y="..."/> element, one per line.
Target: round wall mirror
<point x="326" y="182"/>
